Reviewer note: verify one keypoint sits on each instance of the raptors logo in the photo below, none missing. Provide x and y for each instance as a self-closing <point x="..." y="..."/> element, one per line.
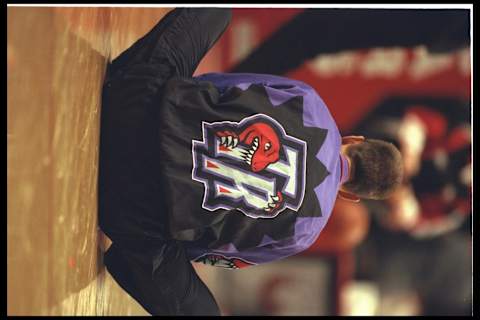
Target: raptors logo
<point x="218" y="260"/>
<point x="253" y="166"/>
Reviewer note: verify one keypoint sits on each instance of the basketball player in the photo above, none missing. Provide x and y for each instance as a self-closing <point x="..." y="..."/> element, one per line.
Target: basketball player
<point x="230" y="170"/>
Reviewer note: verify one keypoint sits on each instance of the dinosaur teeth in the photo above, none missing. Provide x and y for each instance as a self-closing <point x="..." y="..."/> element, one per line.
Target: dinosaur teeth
<point x="222" y="140"/>
<point x="235" y="142"/>
<point x="251" y="151"/>
<point x="271" y="205"/>
<point x="255" y="143"/>
<point x="275" y="198"/>
<point x="248" y="161"/>
<point x="229" y="140"/>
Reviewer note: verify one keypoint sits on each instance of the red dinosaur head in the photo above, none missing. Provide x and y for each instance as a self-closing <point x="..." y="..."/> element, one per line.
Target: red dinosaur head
<point x="264" y="146"/>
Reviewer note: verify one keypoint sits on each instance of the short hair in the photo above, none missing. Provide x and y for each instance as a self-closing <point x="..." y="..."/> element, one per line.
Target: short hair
<point x="377" y="169"/>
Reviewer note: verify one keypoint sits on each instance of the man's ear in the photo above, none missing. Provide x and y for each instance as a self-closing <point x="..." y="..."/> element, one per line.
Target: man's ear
<point x="348" y="196"/>
<point x="352" y="139"/>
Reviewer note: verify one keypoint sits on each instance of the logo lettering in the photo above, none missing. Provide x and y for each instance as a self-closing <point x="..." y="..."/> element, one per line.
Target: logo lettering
<point x="253" y="166"/>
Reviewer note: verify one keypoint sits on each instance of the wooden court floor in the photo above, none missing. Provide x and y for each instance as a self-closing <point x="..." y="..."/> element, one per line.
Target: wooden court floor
<point x="56" y="58"/>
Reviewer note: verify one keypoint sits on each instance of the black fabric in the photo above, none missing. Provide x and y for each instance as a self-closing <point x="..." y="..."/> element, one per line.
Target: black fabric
<point x="182" y="122"/>
<point x="162" y="280"/>
<point x="149" y="266"/>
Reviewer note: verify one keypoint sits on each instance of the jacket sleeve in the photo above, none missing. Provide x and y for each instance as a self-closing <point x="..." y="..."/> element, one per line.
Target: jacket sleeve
<point x="162" y="280"/>
<point x="182" y="37"/>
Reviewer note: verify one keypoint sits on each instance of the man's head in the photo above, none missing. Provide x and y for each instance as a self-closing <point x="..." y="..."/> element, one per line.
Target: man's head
<point x="376" y="168"/>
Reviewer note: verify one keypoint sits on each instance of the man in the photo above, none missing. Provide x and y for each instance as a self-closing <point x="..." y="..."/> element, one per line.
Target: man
<point x="433" y="135"/>
<point x="230" y="170"/>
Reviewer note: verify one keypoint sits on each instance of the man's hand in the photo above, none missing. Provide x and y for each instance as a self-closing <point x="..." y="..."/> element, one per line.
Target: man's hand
<point x="412" y="136"/>
<point x="404" y="210"/>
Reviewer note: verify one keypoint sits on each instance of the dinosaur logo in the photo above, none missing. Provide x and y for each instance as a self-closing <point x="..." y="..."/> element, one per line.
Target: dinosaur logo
<point x="262" y="141"/>
<point x="218" y="260"/>
<point x="253" y="166"/>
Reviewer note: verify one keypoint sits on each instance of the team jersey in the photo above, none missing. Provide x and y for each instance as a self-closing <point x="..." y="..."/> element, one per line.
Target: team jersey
<point x="250" y="166"/>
